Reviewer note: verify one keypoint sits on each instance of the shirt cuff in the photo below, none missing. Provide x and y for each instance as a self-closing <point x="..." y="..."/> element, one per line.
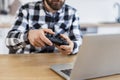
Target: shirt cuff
<point x="25" y="37"/>
<point x="75" y="49"/>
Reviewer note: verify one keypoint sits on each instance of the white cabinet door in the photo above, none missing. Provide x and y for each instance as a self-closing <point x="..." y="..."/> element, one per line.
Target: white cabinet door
<point x="89" y="30"/>
<point x="108" y="30"/>
<point x="3" y="34"/>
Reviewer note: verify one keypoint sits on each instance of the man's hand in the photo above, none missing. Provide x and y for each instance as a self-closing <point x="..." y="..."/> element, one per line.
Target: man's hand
<point x="66" y="49"/>
<point x="38" y="39"/>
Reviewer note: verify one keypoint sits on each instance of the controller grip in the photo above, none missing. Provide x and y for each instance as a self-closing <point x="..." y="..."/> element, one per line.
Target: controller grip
<point x="56" y="39"/>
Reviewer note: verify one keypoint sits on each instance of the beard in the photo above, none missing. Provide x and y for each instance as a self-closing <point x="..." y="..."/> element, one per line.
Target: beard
<point x="55" y="4"/>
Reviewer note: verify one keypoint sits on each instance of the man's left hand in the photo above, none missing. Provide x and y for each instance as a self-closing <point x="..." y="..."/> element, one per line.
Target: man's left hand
<point x="66" y="49"/>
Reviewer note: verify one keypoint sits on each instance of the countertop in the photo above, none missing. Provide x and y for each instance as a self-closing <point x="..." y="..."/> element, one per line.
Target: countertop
<point x="6" y="21"/>
<point x="83" y="25"/>
<point x="99" y="25"/>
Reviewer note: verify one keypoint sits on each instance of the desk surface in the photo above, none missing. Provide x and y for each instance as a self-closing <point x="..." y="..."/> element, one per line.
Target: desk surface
<point x="34" y="67"/>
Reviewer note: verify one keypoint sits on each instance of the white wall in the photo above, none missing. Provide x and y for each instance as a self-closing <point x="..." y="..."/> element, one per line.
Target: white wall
<point x="25" y="1"/>
<point x="95" y="10"/>
<point x="92" y="11"/>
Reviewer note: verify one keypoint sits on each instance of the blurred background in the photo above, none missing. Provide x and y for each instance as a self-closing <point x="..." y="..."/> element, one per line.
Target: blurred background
<point x="90" y="12"/>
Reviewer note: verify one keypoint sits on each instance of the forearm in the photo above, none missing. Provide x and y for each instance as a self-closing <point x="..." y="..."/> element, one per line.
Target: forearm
<point x="16" y="39"/>
<point x="17" y="36"/>
<point x="75" y="34"/>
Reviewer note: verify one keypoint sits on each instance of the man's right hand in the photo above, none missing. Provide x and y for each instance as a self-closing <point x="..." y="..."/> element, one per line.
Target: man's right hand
<point x="38" y="39"/>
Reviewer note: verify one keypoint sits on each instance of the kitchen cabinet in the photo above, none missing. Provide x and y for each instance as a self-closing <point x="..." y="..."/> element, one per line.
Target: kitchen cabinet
<point x="100" y="28"/>
<point x="108" y="30"/>
<point x="89" y="30"/>
<point x="3" y="34"/>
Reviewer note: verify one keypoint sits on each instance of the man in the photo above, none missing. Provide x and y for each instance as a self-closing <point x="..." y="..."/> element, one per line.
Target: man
<point x="36" y="19"/>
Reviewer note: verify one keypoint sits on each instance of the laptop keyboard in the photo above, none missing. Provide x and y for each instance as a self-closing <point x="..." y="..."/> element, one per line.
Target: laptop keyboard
<point x="67" y="71"/>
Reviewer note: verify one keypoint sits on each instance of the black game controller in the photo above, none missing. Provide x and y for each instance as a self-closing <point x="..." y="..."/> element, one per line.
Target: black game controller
<point x="56" y="39"/>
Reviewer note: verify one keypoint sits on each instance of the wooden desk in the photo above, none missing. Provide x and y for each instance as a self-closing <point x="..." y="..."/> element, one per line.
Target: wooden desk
<point x="31" y="66"/>
<point x="34" y="67"/>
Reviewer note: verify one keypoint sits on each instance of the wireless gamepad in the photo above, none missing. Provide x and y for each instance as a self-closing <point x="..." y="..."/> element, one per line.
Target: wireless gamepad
<point x="56" y="39"/>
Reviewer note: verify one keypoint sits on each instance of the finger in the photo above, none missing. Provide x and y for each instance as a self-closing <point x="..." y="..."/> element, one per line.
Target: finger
<point x="49" y="31"/>
<point x="41" y="43"/>
<point x="65" y="47"/>
<point x="64" y="36"/>
<point x="32" y="42"/>
<point x="68" y="49"/>
<point x="60" y="49"/>
<point x="45" y="39"/>
<point x="38" y="42"/>
<point x="37" y="45"/>
<point x="65" y="52"/>
<point x="57" y="46"/>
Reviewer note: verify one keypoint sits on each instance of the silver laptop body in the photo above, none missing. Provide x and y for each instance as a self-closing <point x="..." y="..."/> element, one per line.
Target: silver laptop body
<point x="99" y="56"/>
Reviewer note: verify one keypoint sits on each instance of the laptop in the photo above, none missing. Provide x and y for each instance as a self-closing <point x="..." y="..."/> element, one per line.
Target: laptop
<point x="99" y="56"/>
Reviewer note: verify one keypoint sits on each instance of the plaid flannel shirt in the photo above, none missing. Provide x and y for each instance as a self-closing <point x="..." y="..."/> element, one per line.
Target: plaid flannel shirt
<point x="34" y="16"/>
